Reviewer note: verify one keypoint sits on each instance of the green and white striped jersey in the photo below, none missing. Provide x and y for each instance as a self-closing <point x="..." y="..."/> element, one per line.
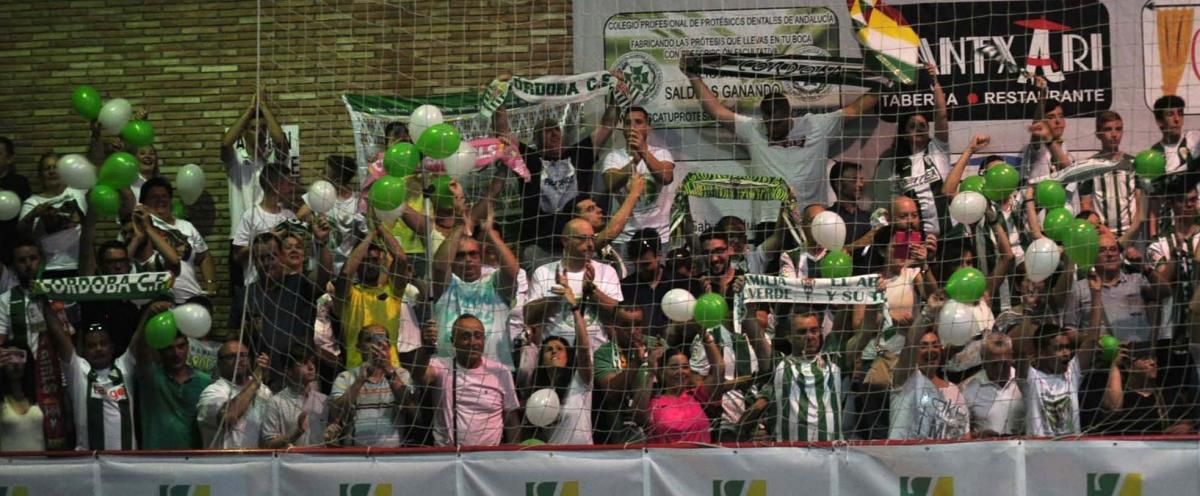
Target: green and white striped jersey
<point x="805" y="399"/>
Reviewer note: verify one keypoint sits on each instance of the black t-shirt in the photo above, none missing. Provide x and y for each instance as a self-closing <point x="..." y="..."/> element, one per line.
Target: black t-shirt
<point x="283" y="315"/>
<point x="552" y="185"/>
<point x="649" y="299"/>
<point x="858" y="224"/>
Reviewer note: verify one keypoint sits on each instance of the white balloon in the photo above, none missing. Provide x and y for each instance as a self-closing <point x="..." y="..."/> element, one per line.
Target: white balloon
<point x="679" y="305"/>
<point x="192" y="319"/>
<point x="77" y="171"/>
<point x="10" y="205"/>
<point x="829" y="230"/>
<point x="1041" y="259"/>
<point x="114" y="114"/>
<point x="462" y="162"/>
<point x="956" y="323"/>
<point x="542" y="408"/>
<point x="968" y="207"/>
<point x="189" y="181"/>
<point x="321" y="197"/>
<point x="424" y="117"/>
<point x="390" y="215"/>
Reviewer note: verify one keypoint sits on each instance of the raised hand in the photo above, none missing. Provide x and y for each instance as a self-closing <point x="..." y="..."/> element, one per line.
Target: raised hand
<point x="563" y="288"/>
<point x="260" y="366"/>
<point x="429" y="333"/>
<point x="979" y="142"/>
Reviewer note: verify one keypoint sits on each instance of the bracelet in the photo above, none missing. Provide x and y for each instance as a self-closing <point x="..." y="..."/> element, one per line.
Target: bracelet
<point x="575" y="307"/>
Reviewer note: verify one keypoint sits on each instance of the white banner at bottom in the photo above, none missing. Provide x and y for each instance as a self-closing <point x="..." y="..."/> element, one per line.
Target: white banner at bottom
<point x="1016" y="468"/>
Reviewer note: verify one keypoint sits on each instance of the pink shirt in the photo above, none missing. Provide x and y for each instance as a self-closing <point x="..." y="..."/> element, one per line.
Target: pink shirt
<point x="678" y="419"/>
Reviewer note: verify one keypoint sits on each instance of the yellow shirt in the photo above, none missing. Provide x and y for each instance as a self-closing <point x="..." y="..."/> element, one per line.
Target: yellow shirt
<point x="409" y="240"/>
<point x="363" y="307"/>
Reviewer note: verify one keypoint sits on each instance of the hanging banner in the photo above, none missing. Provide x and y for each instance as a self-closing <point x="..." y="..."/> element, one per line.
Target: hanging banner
<point x="855" y="290"/>
<point x="137" y="286"/>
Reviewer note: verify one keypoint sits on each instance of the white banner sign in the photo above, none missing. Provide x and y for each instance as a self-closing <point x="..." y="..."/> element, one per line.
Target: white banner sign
<point x="856" y="290"/>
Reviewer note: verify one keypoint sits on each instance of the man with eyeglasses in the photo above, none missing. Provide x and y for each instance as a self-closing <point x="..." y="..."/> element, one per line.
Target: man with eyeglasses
<point x="232" y="408"/>
<point x="596" y="283"/>
<point x="1126" y="298"/>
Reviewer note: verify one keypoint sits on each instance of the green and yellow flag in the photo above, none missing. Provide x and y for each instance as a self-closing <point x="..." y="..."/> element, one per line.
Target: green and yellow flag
<point x="886" y="37"/>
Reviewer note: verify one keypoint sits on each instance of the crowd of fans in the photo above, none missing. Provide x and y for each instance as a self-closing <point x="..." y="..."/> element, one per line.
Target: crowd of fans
<point x="346" y="333"/>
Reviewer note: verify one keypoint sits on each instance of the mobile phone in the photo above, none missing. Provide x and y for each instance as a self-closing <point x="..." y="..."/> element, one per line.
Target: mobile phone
<point x="902" y="241"/>
<point x="15" y="357"/>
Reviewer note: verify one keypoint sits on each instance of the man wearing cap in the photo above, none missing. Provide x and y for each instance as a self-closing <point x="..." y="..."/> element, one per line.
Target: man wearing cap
<point x="560" y="173"/>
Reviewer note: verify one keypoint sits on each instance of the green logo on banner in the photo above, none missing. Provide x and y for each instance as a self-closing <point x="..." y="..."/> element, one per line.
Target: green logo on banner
<point x="757" y="487"/>
<point x="1116" y="484"/>
<point x="14" y="491"/>
<point x="552" y="488"/>
<point x="365" y="489"/>
<point x="927" y="486"/>
<point x="184" y="490"/>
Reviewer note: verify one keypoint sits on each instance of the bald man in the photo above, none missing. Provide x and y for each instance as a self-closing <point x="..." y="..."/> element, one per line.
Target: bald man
<point x="595" y="282"/>
<point x="871" y="250"/>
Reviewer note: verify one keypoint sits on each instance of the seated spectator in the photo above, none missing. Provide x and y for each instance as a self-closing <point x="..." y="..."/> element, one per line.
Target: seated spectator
<point x="492" y="414"/>
<point x="99" y="384"/>
<point x="54" y="218"/>
<point x="671" y="409"/>
<point x="232" y="408"/>
<point x="20" y="416"/>
<point x="592" y="280"/>
<point x="168" y="394"/>
<point x="370" y="403"/>
<point x="993" y="396"/>
<point x="459" y="288"/>
<point x="567" y="370"/>
<point x="654" y="165"/>
<point x="296" y="415"/>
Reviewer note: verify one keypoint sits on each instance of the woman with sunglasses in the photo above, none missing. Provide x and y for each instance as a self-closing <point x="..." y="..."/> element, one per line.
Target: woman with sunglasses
<point x="553" y="363"/>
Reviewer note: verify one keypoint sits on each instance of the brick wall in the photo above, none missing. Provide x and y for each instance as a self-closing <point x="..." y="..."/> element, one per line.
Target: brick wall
<point x="193" y="65"/>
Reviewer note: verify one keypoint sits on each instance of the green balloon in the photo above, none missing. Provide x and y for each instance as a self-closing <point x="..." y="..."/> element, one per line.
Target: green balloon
<point x="119" y="170"/>
<point x="178" y="211"/>
<point x="442" y="197"/>
<point x="1081" y="242"/>
<point x="1050" y="194"/>
<point x="1109" y="346"/>
<point x="86" y="101"/>
<point x="533" y="441"/>
<point x="401" y="159"/>
<point x="836" y="264"/>
<point x="1150" y="164"/>
<point x="161" y="330"/>
<point x="1056" y="223"/>
<point x="105" y="200"/>
<point x="973" y="183"/>
<point x="1000" y="180"/>
<point x="138" y="133"/>
<point x="711" y="310"/>
<point x="439" y="141"/>
<point x="387" y="193"/>
<point x="966" y="285"/>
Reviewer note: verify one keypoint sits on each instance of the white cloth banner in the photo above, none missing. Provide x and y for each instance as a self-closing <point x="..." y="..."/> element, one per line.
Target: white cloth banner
<point x="1009" y="468"/>
<point x="856" y="290"/>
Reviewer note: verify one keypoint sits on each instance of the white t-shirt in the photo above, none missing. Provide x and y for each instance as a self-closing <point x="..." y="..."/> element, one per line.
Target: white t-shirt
<point x="1052" y="401"/>
<point x="245" y="433"/>
<point x="377" y="418"/>
<point x="254" y="222"/>
<point x="77" y="370"/>
<point x="22" y="432"/>
<point x="921" y="410"/>
<point x="1178" y="154"/>
<point x="653" y="208"/>
<point x="347" y="226"/>
<point x="516" y="316"/>
<point x="187" y="284"/>
<point x="283" y="412"/>
<point x="562" y="323"/>
<point x="61" y="248"/>
<point x="801" y="161"/>
<point x="995" y="406"/>
<point x="482" y="299"/>
<point x="901" y="292"/>
<point x="244" y="190"/>
<point x="574" y="424"/>
<point x="929" y="168"/>
<point x="482" y="396"/>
